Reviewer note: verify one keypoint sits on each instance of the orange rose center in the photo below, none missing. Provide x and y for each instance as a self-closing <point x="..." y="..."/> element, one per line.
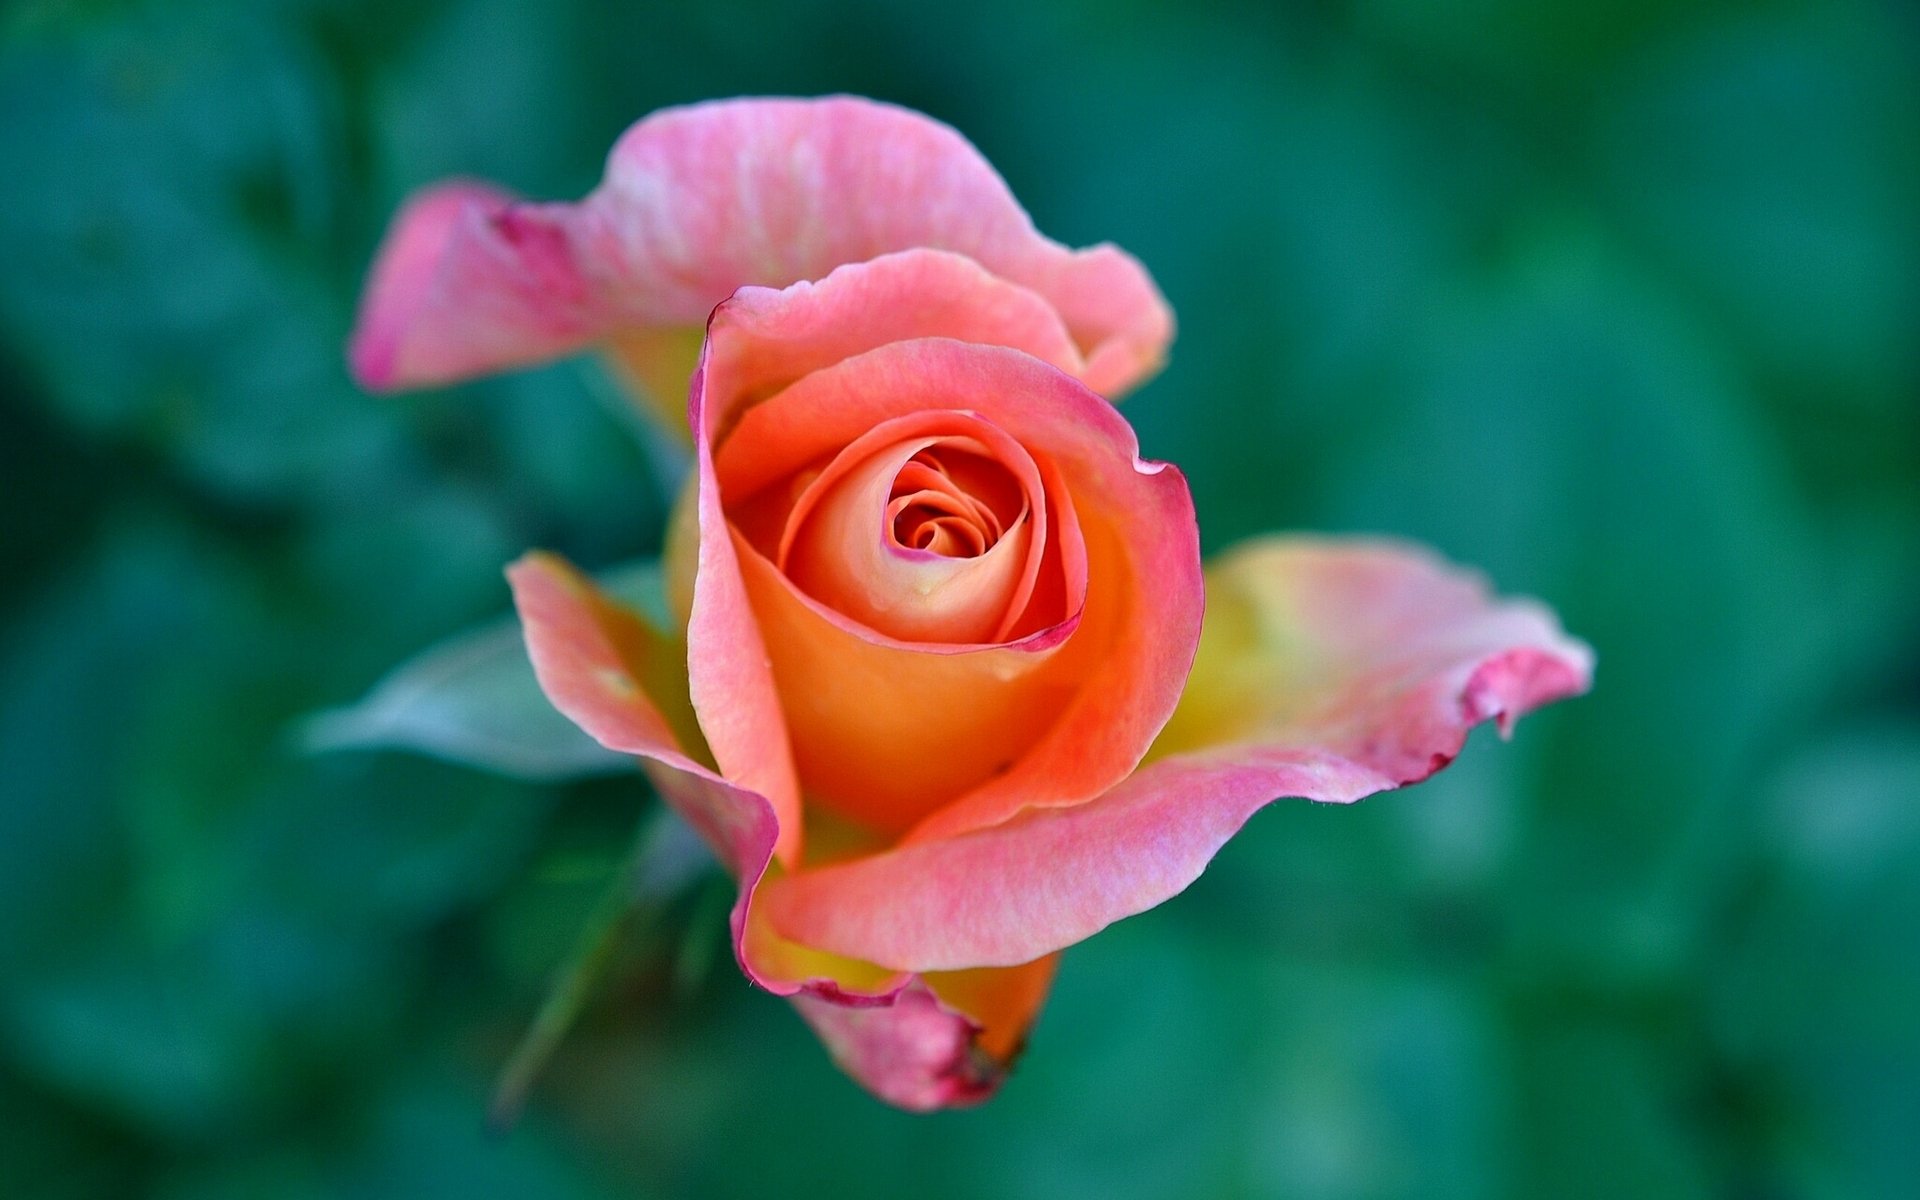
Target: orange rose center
<point x="952" y="503"/>
<point x="920" y="582"/>
<point x="931" y="528"/>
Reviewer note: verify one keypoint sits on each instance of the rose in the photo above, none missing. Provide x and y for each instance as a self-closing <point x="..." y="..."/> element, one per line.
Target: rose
<point x="935" y="611"/>
<point x="932" y="586"/>
<point x="701" y="201"/>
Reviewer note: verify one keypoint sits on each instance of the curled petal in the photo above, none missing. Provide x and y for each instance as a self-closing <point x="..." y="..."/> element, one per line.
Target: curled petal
<point x="467" y="279"/>
<point x="945" y="1042"/>
<point x="761" y="340"/>
<point x="918" y="1042"/>
<point x="700" y="201"/>
<point x="1329" y="671"/>
<point x="615" y="677"/>
<point x="624" y="684"/>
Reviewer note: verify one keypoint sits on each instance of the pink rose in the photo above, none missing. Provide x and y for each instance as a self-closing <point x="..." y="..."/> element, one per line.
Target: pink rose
<point x="929" y="699"/>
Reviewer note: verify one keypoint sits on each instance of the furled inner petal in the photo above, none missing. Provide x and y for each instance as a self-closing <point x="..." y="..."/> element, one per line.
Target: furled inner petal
<point x="928" y="739"/>
<point x="930" y="528"/>
<point x="943" y="502"/>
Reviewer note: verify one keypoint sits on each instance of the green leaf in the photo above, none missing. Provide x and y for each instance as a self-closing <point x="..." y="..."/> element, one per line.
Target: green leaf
<point x="473" y="699"/>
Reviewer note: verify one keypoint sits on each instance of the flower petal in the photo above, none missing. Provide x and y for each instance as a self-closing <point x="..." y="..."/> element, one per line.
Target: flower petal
<point x="614" y="677"/>
<point x="625" y="685"/>
<point x="761" y="339"/>
<point x="943" y="1043"/>
<point x="700" y="201"/>
<point x="467" y="279"/>
<point x="921" y="1043"/>
<point x="1329" y="671"/>
<point x="884" y="731"/>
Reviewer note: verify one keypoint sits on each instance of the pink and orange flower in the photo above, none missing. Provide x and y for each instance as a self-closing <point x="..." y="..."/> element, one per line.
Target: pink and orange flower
<point x="947" y="689"/>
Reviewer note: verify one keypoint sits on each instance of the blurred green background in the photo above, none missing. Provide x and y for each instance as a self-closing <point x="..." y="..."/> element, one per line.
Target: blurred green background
<point x="1620" y="302"/>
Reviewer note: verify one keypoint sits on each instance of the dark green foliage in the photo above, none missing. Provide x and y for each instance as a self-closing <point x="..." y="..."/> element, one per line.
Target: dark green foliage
<point x="1617" y="301"/>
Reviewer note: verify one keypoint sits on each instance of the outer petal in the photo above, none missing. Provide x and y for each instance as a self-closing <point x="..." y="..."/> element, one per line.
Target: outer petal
<point x="441" y="268"/>
<point x="945" y="1042"/>
<point x="612" y="675"/>
<point x="1343" y="669"/>
<point x="615" y="678"/>
<point x="920" y="1043"/>
<point x="761" y="340"/>
<point x="700" y="201"/>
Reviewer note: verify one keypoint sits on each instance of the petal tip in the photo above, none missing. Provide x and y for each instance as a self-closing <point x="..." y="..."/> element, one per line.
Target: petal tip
<point x="371" y="353"/>
<point x="914" y="1053"/>
<point x="1508" y="687"/>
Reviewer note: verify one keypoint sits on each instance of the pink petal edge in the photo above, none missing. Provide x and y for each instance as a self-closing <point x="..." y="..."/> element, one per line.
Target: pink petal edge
<point x="702" y="200"/>
<point x="1047" y="879"/>
<point x="916" y="1054"/>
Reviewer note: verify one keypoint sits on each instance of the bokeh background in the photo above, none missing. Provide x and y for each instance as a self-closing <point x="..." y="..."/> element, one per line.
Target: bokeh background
<point x="1616" y="300"/>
